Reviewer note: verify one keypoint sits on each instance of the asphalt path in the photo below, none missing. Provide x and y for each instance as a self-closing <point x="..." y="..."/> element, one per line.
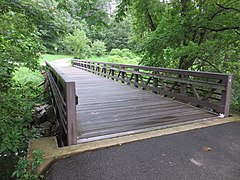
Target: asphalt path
<point x="203" y="154"/>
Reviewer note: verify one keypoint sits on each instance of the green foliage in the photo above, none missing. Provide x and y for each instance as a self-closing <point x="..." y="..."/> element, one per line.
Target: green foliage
<point x="98" y="48"/>
<point x="16" y="111"/>
<point x="195" y="35"/>
<point x="77" y="44"/>
<point x="53" y="57"/>
<point x="16" y="114"/>
<point x="118" y="35"/>
<point x="15" y="118"/>
<point x="22" y="77"/>
<point x="123" y="53"/>
<point x="94" y="11"/>
<point x="116" y="52"/>
<point x="188" y="32"/>
<point x="122" y="60"/>
<point x="124" y="56"/>
<point x="128" y="53"/>
<point x="115" y="35"/>
<point x="19" y="46"/>
<point x="26" y="170"/>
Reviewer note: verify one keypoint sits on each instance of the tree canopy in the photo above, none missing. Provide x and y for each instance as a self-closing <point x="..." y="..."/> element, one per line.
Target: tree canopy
<point x="186" y="33"/>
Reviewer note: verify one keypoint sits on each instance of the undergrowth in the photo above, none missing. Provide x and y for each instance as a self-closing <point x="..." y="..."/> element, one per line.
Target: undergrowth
<point x="16" y="106"/>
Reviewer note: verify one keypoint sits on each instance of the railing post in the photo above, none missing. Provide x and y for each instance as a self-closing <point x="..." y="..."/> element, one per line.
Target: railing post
<point x="64" y="97"/>
<point x="71" y="113"/>
<point x="98" y="69"/>
<point x="123" y="76"/>
<point x="183" y="85"/>
<point x="226" y="95"/>
<point x="104" y="69"/>
<point x="112" y="73"/>
<point x="89" y="67"/>
<point x="155" y="84"/>
<point x="136" y="78"/>
<point x="92" y="67"/>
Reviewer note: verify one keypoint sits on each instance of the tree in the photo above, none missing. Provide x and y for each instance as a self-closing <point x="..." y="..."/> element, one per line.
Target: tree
<point x="19" y="43"/>
<point x="186" y="33"/>
<point x="198" y="35"/>
<point x="98" y="48"/>
<point x="77" y="44"/>
<point x="118" y="35"/>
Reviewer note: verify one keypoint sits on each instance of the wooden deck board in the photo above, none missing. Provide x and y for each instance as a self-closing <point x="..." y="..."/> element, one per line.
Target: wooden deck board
<point x="109" y="107"/>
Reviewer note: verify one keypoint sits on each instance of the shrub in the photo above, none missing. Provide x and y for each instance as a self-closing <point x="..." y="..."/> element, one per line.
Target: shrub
<point x="27" y="170"/>
<point x="98" y="48"/>
<point x="16" y="113"/>
<point x="77" y="44"/>
<point x="15" y="117"/>
<point x="123" y="53"/>
<point x="114" y="59"/>
<point x="116" y="52"/>
<point x="235" y="104"/>
<point x="128" y="53"/>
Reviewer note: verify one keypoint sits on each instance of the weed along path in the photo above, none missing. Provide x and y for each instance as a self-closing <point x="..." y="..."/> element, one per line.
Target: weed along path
<point x="208" y="153"/>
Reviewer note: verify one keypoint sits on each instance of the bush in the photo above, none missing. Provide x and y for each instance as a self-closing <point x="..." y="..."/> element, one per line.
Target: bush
<point x="77" y="44"/>
<point x="19" y="45"/>
<point x="114" y="59"/>
<point x="123" y="53"/>
<point x="98" y="48"/>
<point x="16" y="116"/>
<point x="25" y="76"/>
<point x="116" y="52"/>
<point x="16" y="113"/>
<point x="25" y="169"/>
<point x="235" y="104"/>
<point x="128" y="53"/>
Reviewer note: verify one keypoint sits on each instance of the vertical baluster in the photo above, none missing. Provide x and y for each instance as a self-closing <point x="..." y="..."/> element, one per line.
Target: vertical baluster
<point x="136" y="78"/>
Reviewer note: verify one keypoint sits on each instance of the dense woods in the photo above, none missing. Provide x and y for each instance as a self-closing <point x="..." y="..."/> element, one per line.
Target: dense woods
<point x="201" y="35"/>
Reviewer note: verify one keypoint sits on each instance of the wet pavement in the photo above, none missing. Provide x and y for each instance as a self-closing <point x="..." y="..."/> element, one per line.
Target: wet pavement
<point x="202" y="154"/>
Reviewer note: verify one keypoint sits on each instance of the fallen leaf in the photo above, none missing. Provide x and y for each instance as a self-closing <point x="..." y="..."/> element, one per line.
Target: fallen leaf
<point x="206" y="149"/>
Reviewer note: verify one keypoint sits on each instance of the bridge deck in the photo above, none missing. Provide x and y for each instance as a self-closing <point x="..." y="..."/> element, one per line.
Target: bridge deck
<point x="110" y="108"/>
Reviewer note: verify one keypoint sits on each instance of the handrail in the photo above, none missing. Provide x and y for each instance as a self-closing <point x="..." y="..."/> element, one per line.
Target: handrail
<point x="207" y="90"/>
<point x="64" y="101"/>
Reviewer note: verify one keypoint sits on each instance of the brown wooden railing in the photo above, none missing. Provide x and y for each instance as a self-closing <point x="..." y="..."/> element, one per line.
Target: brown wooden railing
<point x="64" y="101"/>
<point x="207" y="90"/>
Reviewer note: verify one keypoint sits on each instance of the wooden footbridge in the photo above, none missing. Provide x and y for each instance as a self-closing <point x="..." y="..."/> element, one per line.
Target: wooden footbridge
<point x="96" y="100"/>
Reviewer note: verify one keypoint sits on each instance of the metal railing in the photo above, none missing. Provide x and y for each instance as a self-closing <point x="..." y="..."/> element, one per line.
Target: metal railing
<point x="207" y="90"/>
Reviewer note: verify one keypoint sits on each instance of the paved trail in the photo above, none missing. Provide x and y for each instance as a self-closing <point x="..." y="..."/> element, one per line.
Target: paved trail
<point x="173" y="157"/>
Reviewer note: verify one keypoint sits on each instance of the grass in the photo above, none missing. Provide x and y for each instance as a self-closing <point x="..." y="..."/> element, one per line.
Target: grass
<point x="107" y="58"/>
<point x="52" y="57"/>
<point x="116" y="59"/>
<point x="24" y="75"/>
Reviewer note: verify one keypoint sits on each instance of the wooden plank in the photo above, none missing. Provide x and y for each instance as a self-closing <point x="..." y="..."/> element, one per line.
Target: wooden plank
<point x="136" y="118"/>
<point x="126" y="111"/>
<point x="133" y="127"/>
<point x="121" y="106"/>
<point x="108" y="107"/>
<point x="147" y="75"/>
